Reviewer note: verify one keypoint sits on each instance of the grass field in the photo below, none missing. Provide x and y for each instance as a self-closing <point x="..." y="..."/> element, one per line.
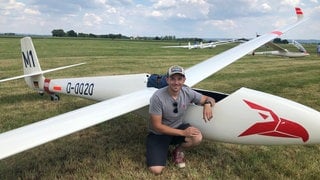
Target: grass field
<point x="115" y="149"/>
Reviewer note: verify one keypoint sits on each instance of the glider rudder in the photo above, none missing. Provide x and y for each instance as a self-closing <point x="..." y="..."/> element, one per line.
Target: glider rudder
<point x="31" y="65"/>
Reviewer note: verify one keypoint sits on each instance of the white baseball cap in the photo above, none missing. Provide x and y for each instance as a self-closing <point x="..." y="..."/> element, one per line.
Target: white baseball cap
<point x="175" y="70"/>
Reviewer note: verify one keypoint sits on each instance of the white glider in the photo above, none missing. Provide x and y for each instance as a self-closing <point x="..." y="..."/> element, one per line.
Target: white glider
<point x="201" y="45"/>
<point x="245" y="116"/>
<point x="280" y="51"/>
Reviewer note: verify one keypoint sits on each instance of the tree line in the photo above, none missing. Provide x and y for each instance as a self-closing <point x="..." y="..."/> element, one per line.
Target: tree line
<point x="280" y="41"/>
<point x="72" y="33"/>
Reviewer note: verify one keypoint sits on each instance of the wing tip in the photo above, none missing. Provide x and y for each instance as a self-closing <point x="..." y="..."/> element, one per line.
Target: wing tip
<point x="299" y="13"/>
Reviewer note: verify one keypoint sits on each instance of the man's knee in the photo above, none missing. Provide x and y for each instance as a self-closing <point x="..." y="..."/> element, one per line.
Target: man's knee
<point x="193" y="141"/>
<point x="156" y="169"/>
<point x="197" y="139"/>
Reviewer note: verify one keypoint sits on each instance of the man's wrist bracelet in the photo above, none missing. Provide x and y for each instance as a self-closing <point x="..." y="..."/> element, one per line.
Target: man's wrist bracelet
<point x="208" y="102"/>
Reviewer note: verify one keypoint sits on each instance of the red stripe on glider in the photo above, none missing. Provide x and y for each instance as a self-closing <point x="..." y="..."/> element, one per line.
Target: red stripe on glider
<point x="57" y="88"/>
<point x="279" y="33"/>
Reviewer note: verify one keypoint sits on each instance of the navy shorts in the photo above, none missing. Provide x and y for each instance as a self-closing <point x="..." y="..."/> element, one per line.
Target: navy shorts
<point x="158" y="145"/>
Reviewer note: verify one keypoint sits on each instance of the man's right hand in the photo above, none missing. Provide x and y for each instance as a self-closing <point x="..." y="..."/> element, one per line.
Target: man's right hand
<point x="191" y="131"/>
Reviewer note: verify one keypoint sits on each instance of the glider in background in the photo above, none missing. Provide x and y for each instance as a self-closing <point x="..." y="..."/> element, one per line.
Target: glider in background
<point x="201" y="45"/>
<point x="280" y="51"/>
<point x="246" y="116"/>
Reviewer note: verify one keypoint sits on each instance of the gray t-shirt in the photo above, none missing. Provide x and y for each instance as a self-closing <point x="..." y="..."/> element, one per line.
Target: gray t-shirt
<point x="161" y="103"/>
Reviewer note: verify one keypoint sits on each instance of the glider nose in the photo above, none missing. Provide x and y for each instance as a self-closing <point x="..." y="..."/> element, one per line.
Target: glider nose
<point x="278" y="127"/>
<point x="292" y="129"/>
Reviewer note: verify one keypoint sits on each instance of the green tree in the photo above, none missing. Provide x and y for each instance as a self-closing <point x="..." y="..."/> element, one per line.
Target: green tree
<point x="72" y="33"/>
<point x="83" y="35"/>
<point x="58" y="33"/>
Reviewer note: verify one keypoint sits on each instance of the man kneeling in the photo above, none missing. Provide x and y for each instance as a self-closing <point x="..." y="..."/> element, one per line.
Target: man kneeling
<point x="167" y="108"/>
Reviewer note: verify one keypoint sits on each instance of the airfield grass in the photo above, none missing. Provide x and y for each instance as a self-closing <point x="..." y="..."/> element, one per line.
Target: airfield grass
<point x="116" y="149"/>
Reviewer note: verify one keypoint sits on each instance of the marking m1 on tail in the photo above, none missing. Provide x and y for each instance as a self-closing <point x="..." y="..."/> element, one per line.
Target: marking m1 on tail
<point x="28" y="59"/>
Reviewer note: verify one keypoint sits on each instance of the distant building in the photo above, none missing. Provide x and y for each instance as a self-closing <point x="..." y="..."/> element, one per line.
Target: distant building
<point x="318" y="49"/>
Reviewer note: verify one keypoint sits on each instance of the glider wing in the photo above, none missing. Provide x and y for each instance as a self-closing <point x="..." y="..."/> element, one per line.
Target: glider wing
<point x="208" y="67"/>
<point x="40" y="72"/>
<point x="277" y="47"/>
<point x="32" y="135"/>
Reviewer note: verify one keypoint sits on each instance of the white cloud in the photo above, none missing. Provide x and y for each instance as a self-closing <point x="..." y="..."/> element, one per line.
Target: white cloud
<point x="292" y="3"/>
<point x="279" y="23"/>
<point x="162" y="4"/>
<point x="91" y="19"/>
<point x="111" y="10"/>
<point x="156" y="14"/>
<point x="222" y="24"/>
<point x="12" y="4"/>
<point x="121" y="20"/>
<point x="31" y="11"/>
<point x="187" y="9"/>
<point x="197" y="18"/>
<point x="100" y="1"/>
<point x="266" y="7"/>
<point x="11" y="8"/>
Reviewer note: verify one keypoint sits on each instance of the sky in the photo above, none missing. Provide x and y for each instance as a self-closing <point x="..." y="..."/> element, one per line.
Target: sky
<point x="179" y="18"/>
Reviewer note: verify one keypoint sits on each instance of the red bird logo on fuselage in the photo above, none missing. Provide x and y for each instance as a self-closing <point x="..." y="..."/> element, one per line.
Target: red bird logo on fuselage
<point x="278" y="127"/>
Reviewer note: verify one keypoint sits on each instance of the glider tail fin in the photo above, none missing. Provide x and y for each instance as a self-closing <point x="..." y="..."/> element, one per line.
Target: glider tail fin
<point x="31" y="66"/>
<point x="299" y="46"/>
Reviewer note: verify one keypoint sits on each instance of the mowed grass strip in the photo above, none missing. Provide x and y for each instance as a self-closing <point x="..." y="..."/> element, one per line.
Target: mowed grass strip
<point x="116" y="149"/>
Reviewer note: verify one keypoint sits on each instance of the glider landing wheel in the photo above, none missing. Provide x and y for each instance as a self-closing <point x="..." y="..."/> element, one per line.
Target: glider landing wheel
<point x="55" y="97"/>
